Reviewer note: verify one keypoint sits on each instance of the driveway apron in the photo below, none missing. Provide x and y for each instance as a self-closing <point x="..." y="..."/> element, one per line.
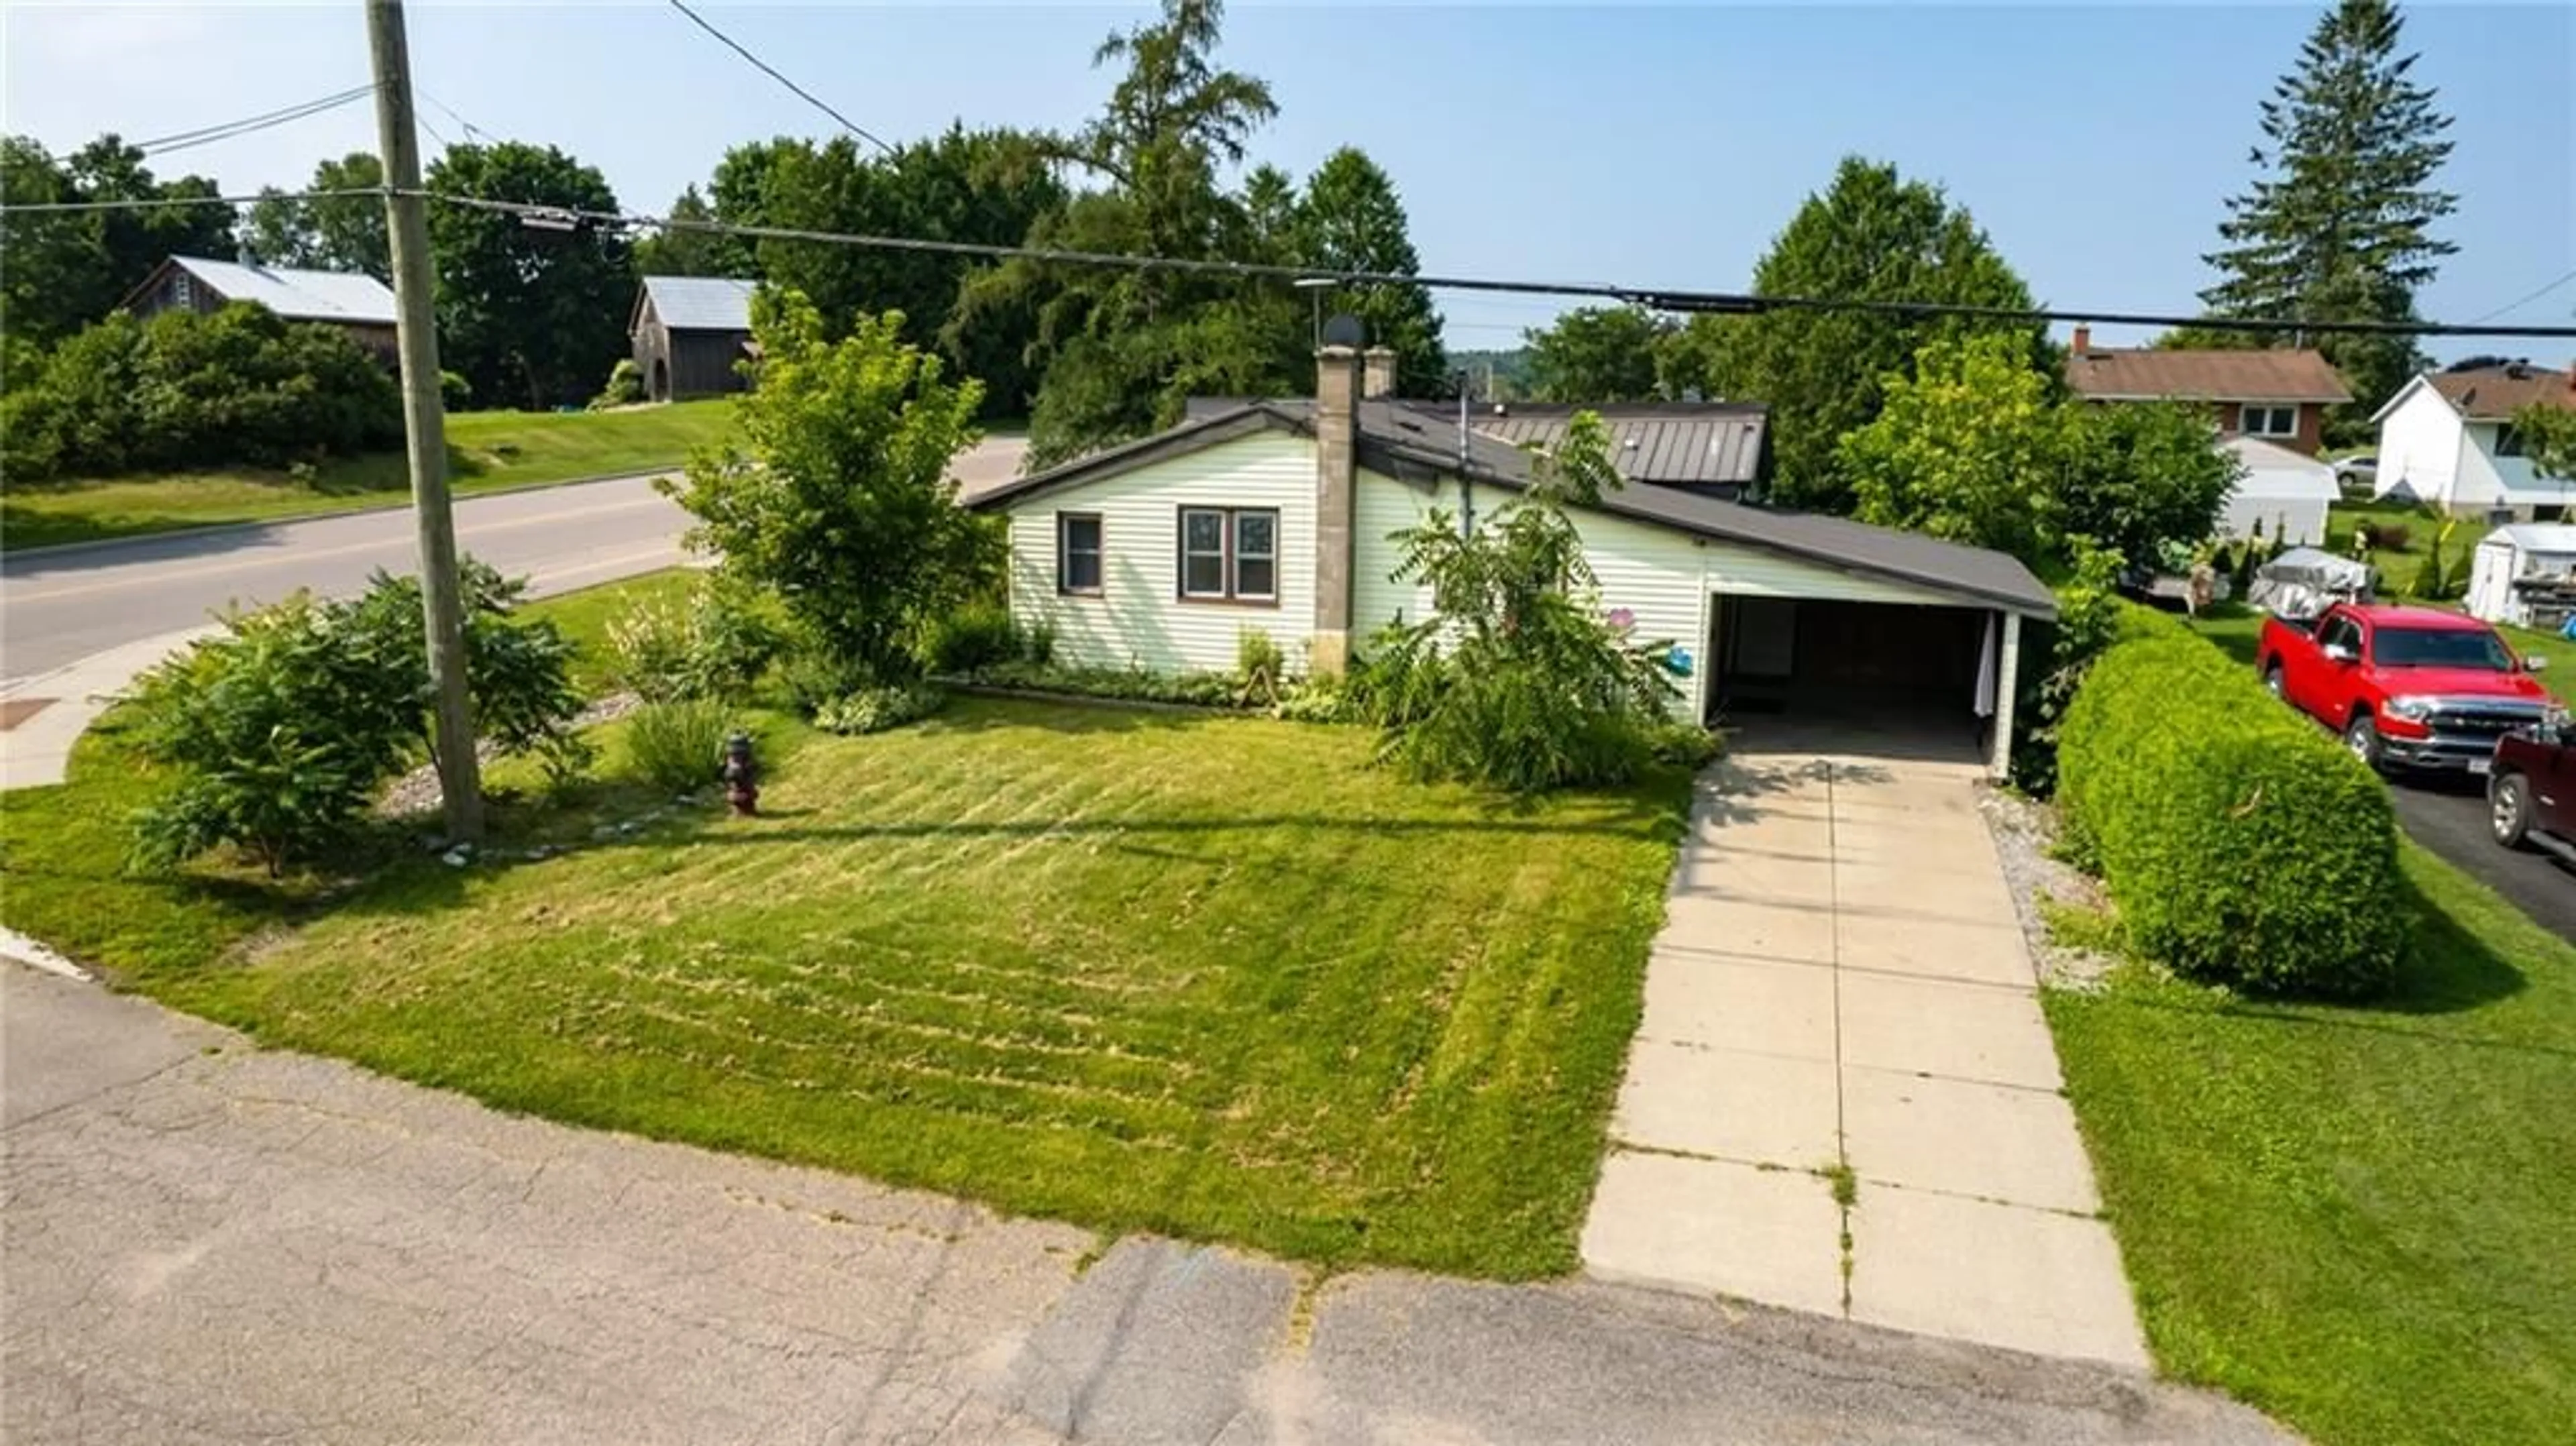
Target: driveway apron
<point x="1842" y="1097"/>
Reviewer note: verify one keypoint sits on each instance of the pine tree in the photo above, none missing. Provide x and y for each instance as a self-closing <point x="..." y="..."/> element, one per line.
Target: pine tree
<point x="1351" y="219"/>
<point x="2341" y="226"/>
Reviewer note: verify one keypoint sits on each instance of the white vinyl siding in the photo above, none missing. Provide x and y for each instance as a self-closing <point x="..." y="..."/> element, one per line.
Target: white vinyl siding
<point x="1737" y="569"/>
<point x="2420" y="443"/>
<point x="1139" y="620"/>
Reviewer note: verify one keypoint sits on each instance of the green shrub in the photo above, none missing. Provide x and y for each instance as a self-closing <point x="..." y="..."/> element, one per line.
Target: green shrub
<point x="2243" y="845"/>
<point x="280" y="729"/>
<point x="455" y="393"/>
<point x="2386" y="536"/>
<point x="970" y="639"/>
<point x="678" y="745"/>
<point x="874" y="710"/>
<point x="188" y="391"/>
<point x="715" y="643"/>
<point x="625" y="386"/>
<point x="1261" y="666"/>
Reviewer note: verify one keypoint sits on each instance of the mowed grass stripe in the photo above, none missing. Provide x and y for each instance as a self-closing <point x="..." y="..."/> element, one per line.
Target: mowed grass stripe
<point x="1220" y="978"/>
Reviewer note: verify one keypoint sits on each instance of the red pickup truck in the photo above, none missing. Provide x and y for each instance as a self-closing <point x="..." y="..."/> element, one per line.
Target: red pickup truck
<point x="2407" y="687"/>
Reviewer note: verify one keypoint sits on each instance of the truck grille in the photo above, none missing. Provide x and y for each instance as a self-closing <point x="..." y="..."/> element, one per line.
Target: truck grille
<point x="2488" y="722"/>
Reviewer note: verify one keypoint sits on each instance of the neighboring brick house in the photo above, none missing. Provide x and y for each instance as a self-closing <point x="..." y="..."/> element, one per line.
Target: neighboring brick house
<point x="2279" y="396"/>
<point x="355" y="302"/>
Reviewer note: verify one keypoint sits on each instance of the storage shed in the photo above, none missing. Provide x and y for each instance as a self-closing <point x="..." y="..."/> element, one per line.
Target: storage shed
<point x="2283" y="493"/>
<point x="691" y="335"/>
<point x="2525" y="574"/>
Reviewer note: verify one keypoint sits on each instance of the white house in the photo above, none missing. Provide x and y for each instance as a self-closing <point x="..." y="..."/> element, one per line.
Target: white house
<point x="2282" y="494"/>
<point x="2448" y="440"/>
<point x="1277" y="516"/>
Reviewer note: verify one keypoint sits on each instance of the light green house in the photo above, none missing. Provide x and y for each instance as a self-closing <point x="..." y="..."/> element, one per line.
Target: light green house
<point x="1277" y="516"/>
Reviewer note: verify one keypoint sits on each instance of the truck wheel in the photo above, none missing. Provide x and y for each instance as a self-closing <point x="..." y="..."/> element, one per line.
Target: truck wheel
<point x="2361" y="735"/>
<point x="2272" y="681"/>
<point x="2509" y="808"/>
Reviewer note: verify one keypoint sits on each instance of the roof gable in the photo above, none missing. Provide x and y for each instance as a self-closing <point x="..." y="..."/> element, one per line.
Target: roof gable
<point x="2495" y="393"/>
<point x="2131" y="374"/>
<point x="347" y="297"/>
<point x="699" y="303"/>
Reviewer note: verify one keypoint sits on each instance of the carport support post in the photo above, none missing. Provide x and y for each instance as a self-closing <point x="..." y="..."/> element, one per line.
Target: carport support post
<point x="2007" y="670"/>
<point x="424" y="425"/>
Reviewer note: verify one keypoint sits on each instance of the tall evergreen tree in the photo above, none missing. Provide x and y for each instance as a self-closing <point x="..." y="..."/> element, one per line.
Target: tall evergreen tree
<point x="2340" y="226"/>
<point x="684" y="251"/>
<point x="1351" y="219"/>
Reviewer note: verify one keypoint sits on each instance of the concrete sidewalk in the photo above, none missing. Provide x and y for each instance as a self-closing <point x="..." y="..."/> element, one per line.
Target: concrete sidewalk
<point x="208" y="1242"/>
<point x="1843" y="1098"/>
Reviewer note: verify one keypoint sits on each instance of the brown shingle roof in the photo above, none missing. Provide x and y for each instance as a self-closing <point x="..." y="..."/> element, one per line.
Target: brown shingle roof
<point x="2497" y="392"/>
<point x="2139" y="373"/>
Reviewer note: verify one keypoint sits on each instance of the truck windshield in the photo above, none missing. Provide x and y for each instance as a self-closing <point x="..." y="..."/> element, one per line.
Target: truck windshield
<point x="2440" y="648"/>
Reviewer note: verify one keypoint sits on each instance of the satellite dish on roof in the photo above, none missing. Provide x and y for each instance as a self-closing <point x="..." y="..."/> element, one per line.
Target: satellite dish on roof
<point x="1345" y="329"/>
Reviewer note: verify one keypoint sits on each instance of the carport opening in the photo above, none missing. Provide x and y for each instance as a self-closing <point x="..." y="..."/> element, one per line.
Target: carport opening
<point x="1900" y="668"/>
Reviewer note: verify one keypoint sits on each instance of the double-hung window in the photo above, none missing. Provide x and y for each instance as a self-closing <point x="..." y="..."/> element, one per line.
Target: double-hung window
<point x="1230" y="554"/>
<point x="2268" y="421"/>
<point x="1077" y="553"/>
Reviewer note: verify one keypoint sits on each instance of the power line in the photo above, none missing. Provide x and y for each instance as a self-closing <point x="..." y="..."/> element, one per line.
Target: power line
<point x="208" y="135"/>
<point x="473" y="132"/>
<point x="765" y="68"/>
<point x="1710" y="302"/>
<point x="1714" y="302"/>
<point x="2517" y="305"/>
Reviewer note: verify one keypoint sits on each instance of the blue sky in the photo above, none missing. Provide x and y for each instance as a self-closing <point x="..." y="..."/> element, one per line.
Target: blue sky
<point x="1660" y="146"/>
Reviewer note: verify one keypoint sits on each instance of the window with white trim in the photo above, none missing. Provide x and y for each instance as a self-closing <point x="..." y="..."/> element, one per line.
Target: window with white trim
<point x="1229" y="554"/>
<point x="1077" y="553"/>
<point x="2256" y="421"/>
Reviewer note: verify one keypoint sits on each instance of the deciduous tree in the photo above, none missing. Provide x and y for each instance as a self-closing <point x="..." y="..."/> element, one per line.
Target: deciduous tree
<point x="1871" y="235"/>
<point x="64" y="270"/>
<point x="1597" y="354"/>
<point x="682" y="251"/>
<point x="524" y="313"/>
<point x="2340" y="224"/>
<point x="1350" y="219"/>
<point x="326" y="235"/>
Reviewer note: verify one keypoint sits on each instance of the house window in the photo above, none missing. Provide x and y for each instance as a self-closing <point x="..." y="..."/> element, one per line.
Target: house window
<point x="2508" y="440"/>
<point x="183" y="290"/>
<point x="1230" y="554"/>
<point x="2268" y="421"/>
<point x="1077" y="553"/>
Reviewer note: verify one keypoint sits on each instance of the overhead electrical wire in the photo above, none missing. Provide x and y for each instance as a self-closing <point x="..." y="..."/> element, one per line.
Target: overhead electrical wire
<point x="560" y="218"/>
<point x="765" y="68"/>
<point x="2520" y="302"/>
<point x="208" y="135"/>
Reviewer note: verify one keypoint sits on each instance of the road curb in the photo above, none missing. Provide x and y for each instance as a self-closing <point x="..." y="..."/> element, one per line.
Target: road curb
<point x="216" y="529"/>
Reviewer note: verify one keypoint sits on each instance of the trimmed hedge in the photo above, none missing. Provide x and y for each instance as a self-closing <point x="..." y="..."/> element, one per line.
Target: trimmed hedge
<point x="2243" y="845"/>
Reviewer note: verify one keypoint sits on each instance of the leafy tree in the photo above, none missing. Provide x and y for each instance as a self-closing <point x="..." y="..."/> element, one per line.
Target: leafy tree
<point x="682" y="252"/>
<point x="1111" y="341"/>
<point x="2340" y="228"/>
<point x="1871" y="235"/>
<point x="65" y="270"/>
<point x="1963" y="448"/>
<point x="1597" y="354"/>
<point x="1518" y="678"/>
<point x="525" y="313"/>
<point x="2137" y="476"/>
<point x="2548" y="438"/>
<point x="327" y="235"/>
<point x="1350" y="219"/>
<point x="1973" y="447"/>
<point x="1502" y="376"/>
<point x="834" y="492"/>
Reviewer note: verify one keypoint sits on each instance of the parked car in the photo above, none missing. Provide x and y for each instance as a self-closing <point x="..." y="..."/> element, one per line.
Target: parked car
<point x="2408" y="687"/>
<point x="2356" y="474"/>
<point x="2531" y="791"/>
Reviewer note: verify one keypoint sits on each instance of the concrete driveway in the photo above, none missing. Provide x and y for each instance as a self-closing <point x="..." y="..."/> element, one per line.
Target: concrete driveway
<point x="211" y="1243"/>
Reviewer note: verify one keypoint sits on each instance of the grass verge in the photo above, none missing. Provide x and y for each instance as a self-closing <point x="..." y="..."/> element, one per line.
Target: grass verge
<point x="487" y="452"/>
<point x="1213" y="977"/>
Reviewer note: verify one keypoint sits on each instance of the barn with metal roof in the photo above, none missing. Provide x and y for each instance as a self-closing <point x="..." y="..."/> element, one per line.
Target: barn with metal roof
<point x="691" y="335"/>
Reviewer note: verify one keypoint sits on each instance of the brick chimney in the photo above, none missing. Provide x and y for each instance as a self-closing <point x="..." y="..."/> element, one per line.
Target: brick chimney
<point x="1377" y="372"/>
<point x="2083" y="338"/>
<point x="1337" y="381"/>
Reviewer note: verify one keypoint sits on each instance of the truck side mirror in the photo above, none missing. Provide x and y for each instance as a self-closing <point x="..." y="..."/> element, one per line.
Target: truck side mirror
<point x="2341" y="652"/>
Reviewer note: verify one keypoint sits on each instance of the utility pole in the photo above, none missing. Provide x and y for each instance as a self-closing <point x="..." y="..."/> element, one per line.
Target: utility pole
<point x="424" y="423"/>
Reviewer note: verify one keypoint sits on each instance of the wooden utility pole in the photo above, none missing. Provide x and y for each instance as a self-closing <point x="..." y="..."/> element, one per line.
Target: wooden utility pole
<point x="424" y="423"/>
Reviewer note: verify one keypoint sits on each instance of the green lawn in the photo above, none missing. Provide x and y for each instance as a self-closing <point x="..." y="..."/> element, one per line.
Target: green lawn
<point x="1214" y="977"/>
<point x="487" y="452"/>
<point x="2354" y="1218"/>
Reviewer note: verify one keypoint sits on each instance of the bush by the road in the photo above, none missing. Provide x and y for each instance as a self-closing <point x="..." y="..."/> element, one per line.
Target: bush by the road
<point x="188" y="391"/>
<point x="2241" y="845"/>
<point x="280" y="730"/>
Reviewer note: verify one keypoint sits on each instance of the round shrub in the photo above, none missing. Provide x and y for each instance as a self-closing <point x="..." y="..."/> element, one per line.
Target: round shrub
<point x="2243" y="845"/>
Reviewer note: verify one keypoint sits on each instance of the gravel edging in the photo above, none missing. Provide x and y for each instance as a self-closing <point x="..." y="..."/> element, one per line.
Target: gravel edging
<point x="2025" y="831"/>
<point x="418" y="792"/>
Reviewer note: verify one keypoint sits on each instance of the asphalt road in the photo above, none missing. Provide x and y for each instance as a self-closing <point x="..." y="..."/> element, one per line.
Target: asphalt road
<point x="2448" y="815"/>
<point x="62" y="605"/>
<point x="209" y="1242"/>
